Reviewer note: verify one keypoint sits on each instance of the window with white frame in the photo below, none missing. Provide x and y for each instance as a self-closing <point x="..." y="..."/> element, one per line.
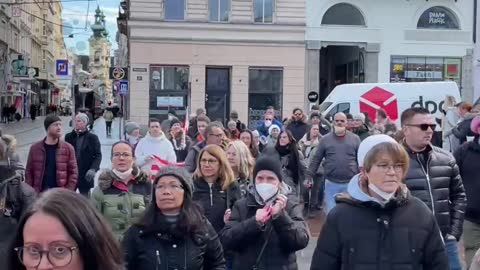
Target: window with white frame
<point x="219" y="10"/>
<point x="174" y="10"/>
<point x="263" y="11"/>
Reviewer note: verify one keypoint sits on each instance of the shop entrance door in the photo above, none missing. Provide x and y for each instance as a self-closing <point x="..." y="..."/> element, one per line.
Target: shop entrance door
<point x="217" y="94"/>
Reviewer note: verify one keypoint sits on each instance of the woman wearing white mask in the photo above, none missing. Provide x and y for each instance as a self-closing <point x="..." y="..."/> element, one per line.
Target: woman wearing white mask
<point x="123" y="193"/>
<point x="132" y="133"/>
<point x="377" y="223"/>
<point x="267" y="227"/>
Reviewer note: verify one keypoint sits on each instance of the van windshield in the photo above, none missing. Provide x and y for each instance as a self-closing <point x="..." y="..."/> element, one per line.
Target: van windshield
<point x="324" y="106"/>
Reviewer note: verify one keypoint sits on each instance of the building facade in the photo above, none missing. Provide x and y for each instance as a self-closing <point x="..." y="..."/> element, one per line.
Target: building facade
<point x="389" y="41"/>
<point x="220" y="55"/>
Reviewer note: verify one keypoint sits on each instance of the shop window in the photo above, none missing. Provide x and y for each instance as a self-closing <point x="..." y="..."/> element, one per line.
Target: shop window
<point x="169" y="78"/>
<point x="438" y="18"/>
<point x="424" y="69"/>
<point x="174" y="10"/>
<point x="263" y="11"/>
<point x="343" y="14"/>
<point x="219" y="10"/>
<point x="265" y="88"/>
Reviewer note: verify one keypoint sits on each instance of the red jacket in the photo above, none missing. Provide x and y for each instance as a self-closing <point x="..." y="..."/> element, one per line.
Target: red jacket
<point x="67" y="171"/>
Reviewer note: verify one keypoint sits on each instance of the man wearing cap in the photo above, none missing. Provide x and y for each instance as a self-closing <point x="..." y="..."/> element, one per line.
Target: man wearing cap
<point x="359" y="126"/>
<point x="51" y="162"/>
<point x="434" y="178"/>
<point x="269" y="211"/>
<point x="234" y="117"/>
<point x="88" y="152"/>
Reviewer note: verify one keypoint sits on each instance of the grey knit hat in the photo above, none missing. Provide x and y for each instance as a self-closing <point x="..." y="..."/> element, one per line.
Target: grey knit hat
<point x="181" y="174"/>
<point x="130" y="127"/>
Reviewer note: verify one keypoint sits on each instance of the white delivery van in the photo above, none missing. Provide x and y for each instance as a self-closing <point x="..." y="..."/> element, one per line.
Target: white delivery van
<point x="394" y="98"/>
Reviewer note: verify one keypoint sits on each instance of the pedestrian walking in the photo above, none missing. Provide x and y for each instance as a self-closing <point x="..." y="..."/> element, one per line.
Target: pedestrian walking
<point x="462" y="131"/>
<point x="214" y="135"/>
<point x="180" y="141"/>
<point x="234" y="117"/>
<point x="434" y="178"/>
<point x="15" y="195"/>
<point x="234" y="133"/>
<point x="193" y="123"/>
<point x="241" y="162"/>
<point x="468" y="159"/>
<point x="384" y="124"/>
<point x="266" y="228"/>
<point x="173" y="233"/>
<point x="33" y="111"/>
<point x="377" y="223"/>
<point x="246" y="136"/>
<point x="317" y="119"/>
<point x="297" y="124"/>
<point x="63" y="231"/>
<point x="156" y="144"/>
<point x="273" y="133"/>
<point x="132" y="134"/>
<point x="214" y="185"/>
<point x="88" y="153"/>
<point x="264" y="126"/>
<point x="359" y="127"/>
<point x="108" y="116"/>
<point x="123" y="192"/>
<point x="449" y="121"/>
<point x="51" y="162"/>
<point x="339" y="148"/>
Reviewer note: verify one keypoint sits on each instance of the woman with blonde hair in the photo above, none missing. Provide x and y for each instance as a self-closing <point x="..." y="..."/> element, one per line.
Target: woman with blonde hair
<point x="241" y="162"/>
<point x="215" y="188"/>
<point x="449" y="121"/>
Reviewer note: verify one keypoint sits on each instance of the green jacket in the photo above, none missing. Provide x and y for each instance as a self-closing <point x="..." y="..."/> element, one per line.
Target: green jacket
<point x="122" y="204"/>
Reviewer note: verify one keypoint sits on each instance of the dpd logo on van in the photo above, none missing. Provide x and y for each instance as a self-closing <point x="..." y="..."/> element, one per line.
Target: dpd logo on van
<point x="378" y="98"/>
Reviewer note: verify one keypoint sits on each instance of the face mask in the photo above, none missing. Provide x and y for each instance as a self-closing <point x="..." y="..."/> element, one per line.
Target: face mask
<point x="266" y="191"/>
<point x="386" y="196"/>
<point x="123" y="175"/>
<point x="132" y="140"/>
<point x="268" y="123"/>
<point x="340" y="131"/>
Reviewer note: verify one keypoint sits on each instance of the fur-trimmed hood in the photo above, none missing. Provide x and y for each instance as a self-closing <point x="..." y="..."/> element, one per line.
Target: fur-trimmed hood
<point x="105" y="177"/>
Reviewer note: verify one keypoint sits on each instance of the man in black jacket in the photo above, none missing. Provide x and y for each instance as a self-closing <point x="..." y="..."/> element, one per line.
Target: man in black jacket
<point x="434" y="178"/>
<point x="88" y="152"/>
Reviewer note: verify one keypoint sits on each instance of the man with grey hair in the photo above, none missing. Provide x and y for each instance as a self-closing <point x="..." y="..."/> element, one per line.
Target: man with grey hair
<point x="339" y="148"/>
<point x="214" y="135"/>
<point x="87" y="150"/>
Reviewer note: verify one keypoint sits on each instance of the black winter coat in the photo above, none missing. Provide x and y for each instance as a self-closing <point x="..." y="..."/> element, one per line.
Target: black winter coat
<point x="403" y="235"/>
<point x="468" y="160"/>
<point x="215" y="201"/>
<point x="439" y="186"/>
<point x="163" y="247"/>
<point x="298" y="129"/>
<point x="90" y="156"/>
<point x="245" y="237"/>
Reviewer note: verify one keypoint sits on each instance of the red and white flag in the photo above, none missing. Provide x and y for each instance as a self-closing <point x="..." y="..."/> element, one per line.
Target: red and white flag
<point x="158" y="164"/>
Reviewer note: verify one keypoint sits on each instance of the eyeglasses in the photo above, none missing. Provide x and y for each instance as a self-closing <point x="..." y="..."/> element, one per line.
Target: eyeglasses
<point x="424" y="127"/>
<point x="171" y="187"/>
<point x="123" y="155"/>
<point x="398" y="168"/>
<point x="216" y="135"/>
<point x="58" y="255"/>
<point x="208" y="161"/>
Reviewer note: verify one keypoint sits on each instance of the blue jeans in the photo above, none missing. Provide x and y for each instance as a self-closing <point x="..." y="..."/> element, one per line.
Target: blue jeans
<point x="453" y="256"/>
<point x="332" y="189"/>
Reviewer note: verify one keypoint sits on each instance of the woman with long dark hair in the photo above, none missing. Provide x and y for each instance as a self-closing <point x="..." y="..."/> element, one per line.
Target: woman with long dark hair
<point x="62" y="230"/>
<point x="173" y="233"/>
<point x="246" y="136"/>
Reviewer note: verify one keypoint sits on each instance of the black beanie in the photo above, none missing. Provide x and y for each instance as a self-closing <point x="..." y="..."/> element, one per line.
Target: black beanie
<point x="174" y="121"/>
<point x="267" y="163"/>
<point x="50" y="119"/>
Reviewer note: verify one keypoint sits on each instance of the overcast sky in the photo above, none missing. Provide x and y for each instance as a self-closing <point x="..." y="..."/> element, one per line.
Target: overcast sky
<point x="75" y="15"/>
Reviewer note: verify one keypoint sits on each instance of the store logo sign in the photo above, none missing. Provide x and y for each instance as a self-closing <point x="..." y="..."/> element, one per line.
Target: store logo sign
<point x="378" y="98"/>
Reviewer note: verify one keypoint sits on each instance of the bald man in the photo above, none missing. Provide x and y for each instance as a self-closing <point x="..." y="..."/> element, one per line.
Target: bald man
<point x="339" y="148"/>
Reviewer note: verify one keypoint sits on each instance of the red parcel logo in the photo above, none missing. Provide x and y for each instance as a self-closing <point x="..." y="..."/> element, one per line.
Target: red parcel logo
<point x="378" y="98"/>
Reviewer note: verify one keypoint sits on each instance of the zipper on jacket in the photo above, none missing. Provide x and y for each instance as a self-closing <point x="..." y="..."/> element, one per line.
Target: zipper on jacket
<point x="426" y="172"/>
<point x="211" y="195"/>
<point x="159" y="261"/>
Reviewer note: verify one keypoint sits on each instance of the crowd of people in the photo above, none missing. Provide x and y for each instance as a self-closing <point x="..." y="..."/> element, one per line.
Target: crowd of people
<point x="238" y="198"/>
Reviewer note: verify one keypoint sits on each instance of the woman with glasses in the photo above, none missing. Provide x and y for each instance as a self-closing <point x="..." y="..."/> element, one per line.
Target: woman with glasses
<point x="124" y="191"/>
<point x="377" y="223"/>
<point x="241" y="162"/>
<point x="63" y="231"/>
<point x="246" y="136"/>
<point x="215" y="188"/>
<point x="173" y="233"/>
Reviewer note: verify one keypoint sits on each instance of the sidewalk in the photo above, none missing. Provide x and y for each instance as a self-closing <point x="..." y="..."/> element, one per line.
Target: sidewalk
<point x="99" y="128"/>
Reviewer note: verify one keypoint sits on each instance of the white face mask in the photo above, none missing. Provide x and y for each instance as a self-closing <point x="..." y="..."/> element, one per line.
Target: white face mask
<point x="386" y="196"/>
<point x="132" y="140"/>
<point x="266" y="191"/>
<point x="268" y="123"/>
<point x="123" y="175"/>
